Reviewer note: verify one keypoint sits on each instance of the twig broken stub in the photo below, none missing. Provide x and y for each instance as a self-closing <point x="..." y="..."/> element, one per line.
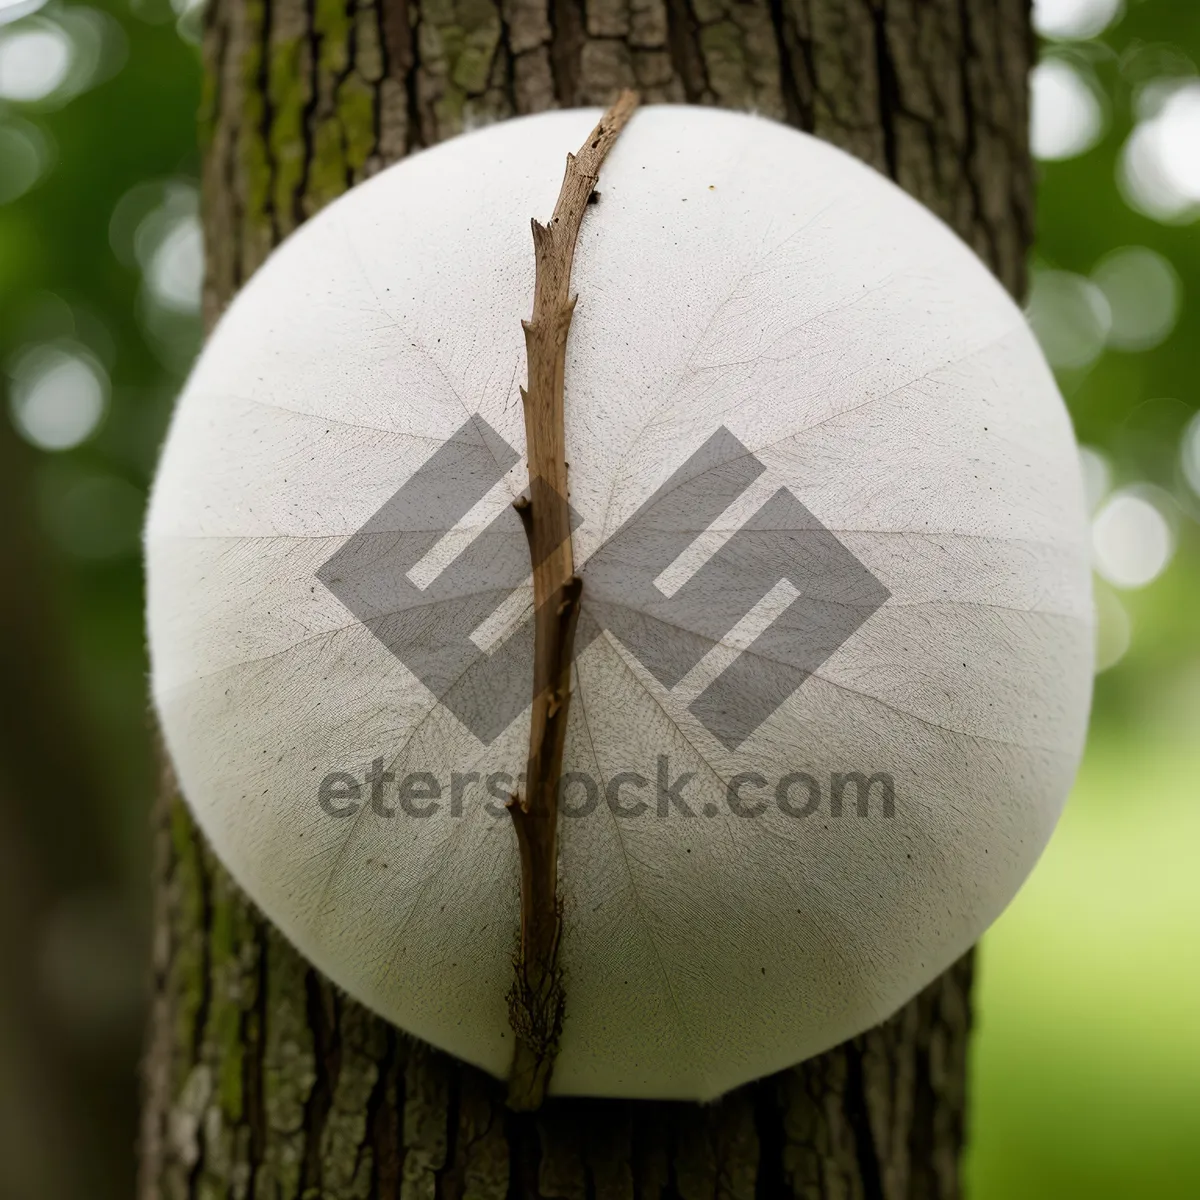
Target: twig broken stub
<point x="537" y="1000"/>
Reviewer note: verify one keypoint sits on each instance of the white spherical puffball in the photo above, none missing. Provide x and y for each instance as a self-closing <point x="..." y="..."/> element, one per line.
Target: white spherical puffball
<point x="834" y="663"/>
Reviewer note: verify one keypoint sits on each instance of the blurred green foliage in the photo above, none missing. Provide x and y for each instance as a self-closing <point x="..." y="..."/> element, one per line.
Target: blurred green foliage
<point x="1087" y="1064"/>
<point x="62" y="284"/>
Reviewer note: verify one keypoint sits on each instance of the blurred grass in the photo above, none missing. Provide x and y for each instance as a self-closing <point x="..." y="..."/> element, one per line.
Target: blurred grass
<point x="1086" y="1063"/>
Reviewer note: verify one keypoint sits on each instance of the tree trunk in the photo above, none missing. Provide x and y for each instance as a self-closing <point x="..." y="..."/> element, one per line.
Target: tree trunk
<point x="262" y="1080"/>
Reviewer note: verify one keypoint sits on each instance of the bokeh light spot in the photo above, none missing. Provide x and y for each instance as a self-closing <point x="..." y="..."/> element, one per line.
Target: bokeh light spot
<point x="1143" y="291"/>
<point x="1074" y="19"/>
<point x="24" y="158"/>
<point x="1097" y="476"/>
<point x="1159" y="168"/>
<point x="58" y="396"/>
<point x="1131" y="540"/>
<point x="14" y="10"/>
<point x="1066" y="117"/>
<point x="176" y="267"/>
<point x="1189" y="452"/>
<point x="1114" y="630"/>
<point x="1070" y="316"/>
<point x="34" y="62"/>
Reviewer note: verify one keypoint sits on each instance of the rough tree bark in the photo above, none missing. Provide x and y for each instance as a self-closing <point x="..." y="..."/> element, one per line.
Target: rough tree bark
<point x="262" y="1080"/>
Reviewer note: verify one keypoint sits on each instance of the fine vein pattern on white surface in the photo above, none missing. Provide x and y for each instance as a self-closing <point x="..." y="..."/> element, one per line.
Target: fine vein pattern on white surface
<point x="735" y="274"/>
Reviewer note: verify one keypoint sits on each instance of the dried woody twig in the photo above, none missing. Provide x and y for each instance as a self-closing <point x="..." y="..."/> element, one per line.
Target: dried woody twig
<point x="536" y="1000"/>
